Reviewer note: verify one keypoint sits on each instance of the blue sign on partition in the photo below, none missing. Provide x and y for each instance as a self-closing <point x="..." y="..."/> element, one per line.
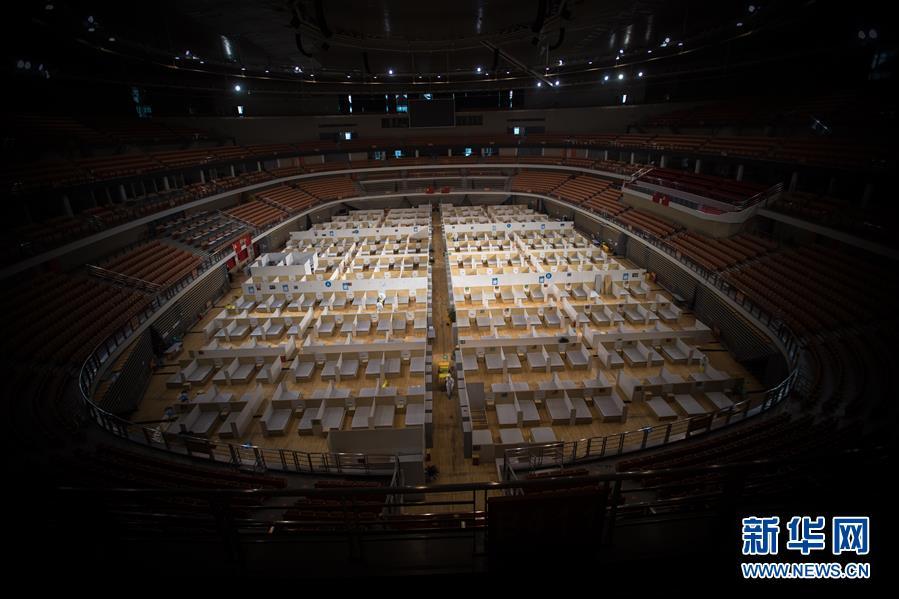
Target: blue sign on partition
<point x="494" y="281"/>
<point x="509" y="226"/>
<point x="625" y="276"/>
<point x="346" y="286"/>
<point x="331" y="233"/>
<point x="549" y="275"/>
<point x="541" y="279"/>
<point x="355" y="231"/>
<point x="251" y="289"/>
<point x="327" y="283"/>
<point x="542" y="225"/>
<point x="285" y="288"/>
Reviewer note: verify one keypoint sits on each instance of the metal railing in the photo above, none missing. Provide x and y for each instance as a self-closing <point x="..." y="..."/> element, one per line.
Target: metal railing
<point x="248" y="457"/>
<point x="239" y="520"/>
<point x="566" y="453"/>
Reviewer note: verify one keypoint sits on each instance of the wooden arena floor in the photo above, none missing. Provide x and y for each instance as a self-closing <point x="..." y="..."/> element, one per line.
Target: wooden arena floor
<point x="447" y="453"/>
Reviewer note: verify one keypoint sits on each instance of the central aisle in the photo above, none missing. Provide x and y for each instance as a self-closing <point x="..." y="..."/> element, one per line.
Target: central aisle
<point x="448" y="444"/>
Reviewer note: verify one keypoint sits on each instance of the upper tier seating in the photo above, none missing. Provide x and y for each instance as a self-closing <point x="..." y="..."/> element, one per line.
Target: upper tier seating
<point x="21" y="178"/>
<point x="257" y="214"/>
<point x="286" y="198"/>
<point x="717" y="188"/>
<point x="123" y="165"/>
<point x="751" y="147"/>
<point x="52" y="130"/>
<point x="207" y="231"/>
<point x="606" y="202"/>
<point x="580" y="188"/>
<point x="648" y="223"/>
<point x="329" y="188"/>
<point x="155" y="262"/>
<point x="538" y="182"/>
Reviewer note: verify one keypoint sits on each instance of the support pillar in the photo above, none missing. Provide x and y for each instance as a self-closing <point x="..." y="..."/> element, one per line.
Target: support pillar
<point x="698" y="167"/>
<point x="739" y="172"/>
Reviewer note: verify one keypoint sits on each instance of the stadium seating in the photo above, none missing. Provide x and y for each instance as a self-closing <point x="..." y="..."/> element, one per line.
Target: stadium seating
<point x="155" y="262"/>
<point x="257" y="214"/>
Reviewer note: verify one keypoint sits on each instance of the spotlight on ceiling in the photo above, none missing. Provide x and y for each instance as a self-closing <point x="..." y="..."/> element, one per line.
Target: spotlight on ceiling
<point x="620" y="76"/>
<point x="478" y="69"/>
<point x="237" y="87"/>
<point x="556" y="83"/>
<point x="390" y="71"/>
<point x="605" y="77"/>
<point x="640" y="74"/>
<point x="539" y="84"/>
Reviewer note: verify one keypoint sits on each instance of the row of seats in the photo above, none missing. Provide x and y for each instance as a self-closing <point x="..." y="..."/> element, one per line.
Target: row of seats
<point x="719" y="254"/>
<point x="66" y="328"/>
<point x="707" y="186"/>
<point x="580" y="188"/>
<point x="814" y="288"/>
<point x="648" y="223"/>
<point x="538" y="181"/>
<point x="257" y="214"/>
<point x="155" y="262"/>
<point x="206" y="231"/>
<point x="289" y="199"/>
<point x="330" y="188"/>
